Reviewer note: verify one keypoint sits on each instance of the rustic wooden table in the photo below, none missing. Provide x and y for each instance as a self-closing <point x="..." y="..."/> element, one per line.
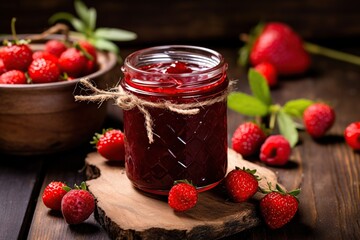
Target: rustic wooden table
<point x="327" y="171"/>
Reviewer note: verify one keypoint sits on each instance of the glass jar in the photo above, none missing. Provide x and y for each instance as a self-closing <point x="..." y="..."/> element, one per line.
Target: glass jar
<point x="185" y="146"/>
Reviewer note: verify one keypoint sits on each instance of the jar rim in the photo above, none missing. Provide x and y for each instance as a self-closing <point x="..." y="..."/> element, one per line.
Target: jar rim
<point x="219" y="65"/>
<point x="210" y="74"/>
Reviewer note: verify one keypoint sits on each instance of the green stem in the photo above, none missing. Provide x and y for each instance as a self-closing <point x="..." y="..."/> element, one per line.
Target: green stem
<point x="13" y="31"/>
<point x="346" y="57"/>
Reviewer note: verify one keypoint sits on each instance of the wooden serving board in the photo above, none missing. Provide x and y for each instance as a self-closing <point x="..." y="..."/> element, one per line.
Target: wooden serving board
<point x="127" y="213"/>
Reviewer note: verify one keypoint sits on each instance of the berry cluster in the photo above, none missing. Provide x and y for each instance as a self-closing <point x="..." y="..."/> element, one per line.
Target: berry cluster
<point x="76" y="205"/>
<point x="19" y="64"/>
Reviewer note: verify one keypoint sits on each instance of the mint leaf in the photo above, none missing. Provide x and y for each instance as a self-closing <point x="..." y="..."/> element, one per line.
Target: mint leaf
<point x="296" y="108"/>
<point x="246" y="104"/>
<point x="287" y="128"/>
<point x="259" y="86"/>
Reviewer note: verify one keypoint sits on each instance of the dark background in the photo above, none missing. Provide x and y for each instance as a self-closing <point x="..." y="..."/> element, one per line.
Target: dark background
<point x="333" y="23"/>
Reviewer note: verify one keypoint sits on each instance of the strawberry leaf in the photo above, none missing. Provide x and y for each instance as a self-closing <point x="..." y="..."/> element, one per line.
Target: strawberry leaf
<point x="296" y="108"/>
<point x="115" y="34"/>
<point x="82" y="11"/>
<point x="92" y="18"/>
<point x="246" y="104"/>
<point x="75" y="22"/>
<point x="106" y="45"/>
<point x="287" y="128"/>
<point x="244" y="53"/>
<point x="259" y="87"/>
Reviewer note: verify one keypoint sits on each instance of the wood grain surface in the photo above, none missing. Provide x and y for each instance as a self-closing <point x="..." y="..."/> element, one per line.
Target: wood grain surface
<point x="127" y="213"/>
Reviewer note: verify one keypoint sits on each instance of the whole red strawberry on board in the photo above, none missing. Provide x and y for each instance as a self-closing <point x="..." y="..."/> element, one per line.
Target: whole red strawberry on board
<point x="352" y="135"/>
<point x="77" y="205"/>
<point x="53" y="194"/>
<point x="110" y="144"/>
<point x="278" y="207"/>
<point x="241" y="184"/>
<point x="278" y="44"/>
<point x="182" y="196"/>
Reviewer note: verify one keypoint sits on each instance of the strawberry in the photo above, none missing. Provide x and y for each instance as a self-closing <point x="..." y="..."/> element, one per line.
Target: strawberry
<point x="352" y="135"/>
<point x="241" y="184"/>
<point x="16" y="56"/>
<point x="2" y="67"/>
<point x="43" y="71"/>
<point x="278" y="44"/>
<point x="279" y="207"/>
<point x="13" y="77"/>
<point x="275" y="150"/>
<point x="77" y="205"/>
<point x="247" y="139"/>
<point x="318" y="119"/>
<point x="91" y="50"/>
<point x="53" y="194"/>
<point x="110" y="144"/>
<point x="182" y="196"/>
<point x="55" y="47"/>
<point x="268" y="71"/>
<point x="73" y="62"/>
<point x="46" y="55"/>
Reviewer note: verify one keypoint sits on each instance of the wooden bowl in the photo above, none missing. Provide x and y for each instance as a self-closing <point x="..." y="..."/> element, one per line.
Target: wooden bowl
<point x="44" y="118"/>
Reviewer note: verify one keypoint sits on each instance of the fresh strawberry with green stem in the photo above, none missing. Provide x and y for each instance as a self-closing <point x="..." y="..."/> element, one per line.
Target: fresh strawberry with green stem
<point x="241" y="184"/>
<point x="46" y="55"/>
<point x="13" y="77"/>
<point x="182" y="196"/>
<point x="77" y="205"/>
<point x="73" y="62"/>
<point x="91" y="50"/>
<point x="247" y="139"/>
<point x="55" y="47"/>
<point x="53" y="194"/>
<point x="43" y="71"/>
<point x="278" y="44"/>
<point x="110" y="144"/>
<point x="16" y="54"/>
<point x="352" y="135"/>
<point x="278" y="207"/>
<point x="318" y="119"/>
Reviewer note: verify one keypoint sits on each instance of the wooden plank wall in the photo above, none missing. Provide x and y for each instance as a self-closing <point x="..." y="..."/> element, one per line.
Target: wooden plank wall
<point x="200" y="20"/>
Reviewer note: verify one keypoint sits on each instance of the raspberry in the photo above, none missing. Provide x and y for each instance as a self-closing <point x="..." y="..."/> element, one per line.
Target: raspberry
<point x="269" y="73"/>
<point x="352" y="135"/>
<point x="318" y="118"/>
<point x="275" y="151"/>
<point x="247" y="139"/>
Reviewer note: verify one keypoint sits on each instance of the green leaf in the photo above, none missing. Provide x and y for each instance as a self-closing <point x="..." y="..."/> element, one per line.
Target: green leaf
<point x="296" y="108"/>
<point x="287" y="128"/>
<point x="246" y="104"/>
<point x="106" y="45"/>
<point x="259" y="86"/>
<point x="82" y="11"/>
<point x="115" y="34"/>
<point x="244" y="55"/>
<point x="75" y="22"/>
<point x="92" y="18"/>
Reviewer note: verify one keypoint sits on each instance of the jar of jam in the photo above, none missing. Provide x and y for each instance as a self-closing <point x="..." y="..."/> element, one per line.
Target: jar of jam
<point x="185" y="146"/>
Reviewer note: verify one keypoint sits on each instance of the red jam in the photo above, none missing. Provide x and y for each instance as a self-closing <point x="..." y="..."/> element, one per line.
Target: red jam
<point x="192" y="147"/>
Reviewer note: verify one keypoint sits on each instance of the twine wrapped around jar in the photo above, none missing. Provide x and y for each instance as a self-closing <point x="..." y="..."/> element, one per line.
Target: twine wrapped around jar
<point x="127" y="101"/>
